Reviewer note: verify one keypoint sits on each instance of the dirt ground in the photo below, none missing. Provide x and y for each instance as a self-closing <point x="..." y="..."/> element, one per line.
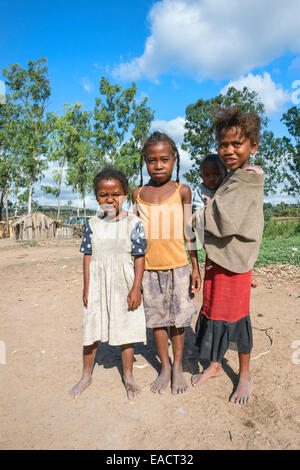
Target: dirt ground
<point x="41" y="337"/>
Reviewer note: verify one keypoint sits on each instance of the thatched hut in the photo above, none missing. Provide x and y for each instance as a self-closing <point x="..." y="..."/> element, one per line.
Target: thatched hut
<point x="39" y="226"/>
<point x="4" y="233"/>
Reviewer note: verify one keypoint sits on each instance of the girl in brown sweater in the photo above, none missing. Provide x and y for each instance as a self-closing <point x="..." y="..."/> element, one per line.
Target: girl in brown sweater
<point x="233" y="230"/>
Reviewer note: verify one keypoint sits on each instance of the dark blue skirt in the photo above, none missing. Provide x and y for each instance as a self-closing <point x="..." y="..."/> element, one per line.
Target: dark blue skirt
<point x="215" y="337"/>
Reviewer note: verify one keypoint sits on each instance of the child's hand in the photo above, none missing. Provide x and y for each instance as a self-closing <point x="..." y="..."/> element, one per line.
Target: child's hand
<point x="195" y="281"/>
<point x="85" y="297"/>
<point x="209" y="264"/>
<point x="134" y="298"/>
<point x="254" y="168"/>
<point x="205" y="198"/>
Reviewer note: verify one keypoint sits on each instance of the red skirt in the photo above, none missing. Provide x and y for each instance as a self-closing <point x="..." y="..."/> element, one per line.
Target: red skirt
<point x="226" y="295"/>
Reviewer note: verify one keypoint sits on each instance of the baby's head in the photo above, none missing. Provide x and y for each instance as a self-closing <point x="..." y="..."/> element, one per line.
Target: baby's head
<point x="160" y="154"/>
<point x="237" y="134"/>
<point x="212" y="171"/>
<point x="111" y="190"/>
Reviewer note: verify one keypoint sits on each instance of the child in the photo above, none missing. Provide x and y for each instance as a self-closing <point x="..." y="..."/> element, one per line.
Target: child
<point x="233" y="231"/>
<point x="112" y="285"/>
<point x="164" y="207"/>
<point x="212" y="172"/>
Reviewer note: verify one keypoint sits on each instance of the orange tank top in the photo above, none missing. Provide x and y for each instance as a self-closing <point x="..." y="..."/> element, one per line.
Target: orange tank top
<point x="164" y="229"/>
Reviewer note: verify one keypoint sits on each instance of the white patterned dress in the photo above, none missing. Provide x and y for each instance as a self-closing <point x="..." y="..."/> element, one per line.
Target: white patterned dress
<point x="112" y="245"/>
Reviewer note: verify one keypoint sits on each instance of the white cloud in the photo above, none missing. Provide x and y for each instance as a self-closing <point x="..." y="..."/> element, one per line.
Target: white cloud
<point x="87" y="84"/>
<point x="215" y="38"/>
<point x="272" y="95"/>
<point x="173" y="128"/>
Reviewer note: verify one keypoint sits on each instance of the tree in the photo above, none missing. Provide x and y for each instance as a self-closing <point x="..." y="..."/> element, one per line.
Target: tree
<point x="6" y="164"/>
<point x="121" y="124"/>
<point x="10" y="145"/>
<point x="292" y="152"/>
<point x="30" y="90"/>
<point x="62" y="142"/>
<point x="80" y="170"/>
<point x="198" y="139"/>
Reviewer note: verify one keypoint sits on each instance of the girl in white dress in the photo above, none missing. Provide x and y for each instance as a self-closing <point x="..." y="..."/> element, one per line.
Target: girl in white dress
<point x="113" y="309"/>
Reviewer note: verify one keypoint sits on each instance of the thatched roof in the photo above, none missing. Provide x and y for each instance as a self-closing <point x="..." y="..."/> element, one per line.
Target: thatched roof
<point x="38" y="226"/>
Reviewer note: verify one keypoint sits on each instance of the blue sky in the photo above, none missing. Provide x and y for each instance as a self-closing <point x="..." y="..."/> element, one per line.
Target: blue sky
<point x="177" y="51"/>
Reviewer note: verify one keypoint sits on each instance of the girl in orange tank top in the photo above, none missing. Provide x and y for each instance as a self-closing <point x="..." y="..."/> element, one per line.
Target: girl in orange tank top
<point x="164" y="206"/>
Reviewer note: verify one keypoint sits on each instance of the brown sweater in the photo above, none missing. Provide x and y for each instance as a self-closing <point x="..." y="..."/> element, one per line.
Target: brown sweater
<point x="234" y="221"/>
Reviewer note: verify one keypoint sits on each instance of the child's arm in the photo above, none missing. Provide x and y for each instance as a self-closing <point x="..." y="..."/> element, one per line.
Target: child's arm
<point x="135" y="297"/>
<point x="134" y="196"/>
<point x="138" y="250"/>
<point x="86" y="250"/>
<point x="254" y="168"/>
<point x="190" y="238"/>
<point x="86" y="278"/>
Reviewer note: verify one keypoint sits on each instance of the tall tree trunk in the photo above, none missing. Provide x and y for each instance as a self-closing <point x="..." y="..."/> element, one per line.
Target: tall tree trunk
<point x="84" y="209"/>
<point x="17" y="201"/>
<point x="30" y="198"/>
<point x="58" y="201"/>
<point x="59" y="191"/>
<point x="1" y="204"/>
<point x="77" y="189"/>
<point x="6" y="210"/>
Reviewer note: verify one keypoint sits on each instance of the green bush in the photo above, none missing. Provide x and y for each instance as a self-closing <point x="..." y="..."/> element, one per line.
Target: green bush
<point x="279" y="251"/>
<point x="285" y="229"/>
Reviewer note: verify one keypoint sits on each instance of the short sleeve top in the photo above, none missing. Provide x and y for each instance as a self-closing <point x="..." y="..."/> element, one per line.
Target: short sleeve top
<point x="137" y="237"/>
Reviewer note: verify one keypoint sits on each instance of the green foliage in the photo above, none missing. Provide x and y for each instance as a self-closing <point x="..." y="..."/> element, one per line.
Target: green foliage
<point x="121" y="124"/>
<point x="279" y="251"/>
<point x="69" y="138"/>
<point x="286" y="229"/>
<point x="23" y="201"/>
<point x="80" y="169"/>
<point x="29" y="91"/>
<point x="292" y="152"/>
<point x="50" y="190"/>
<point x="198" y="139"/>
<point x="281" y="210"/>
<point x="273" y="251"/>
<point x="280" y="244"/>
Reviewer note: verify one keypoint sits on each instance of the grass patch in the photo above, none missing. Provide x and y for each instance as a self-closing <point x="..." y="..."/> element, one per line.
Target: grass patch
<point x="279" y="251"/>
<point x="280" y="244"/>
<point x="276" y="229"/>
<point x="30" y="243"/>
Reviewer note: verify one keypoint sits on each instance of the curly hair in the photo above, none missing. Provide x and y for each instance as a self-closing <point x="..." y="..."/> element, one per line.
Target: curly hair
<point x="156" y="138"/>
<point x="109" y="173"/>
<point x="248" y="123"/>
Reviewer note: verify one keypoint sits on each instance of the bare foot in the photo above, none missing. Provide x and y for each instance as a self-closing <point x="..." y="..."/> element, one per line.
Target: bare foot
<point x="179" y="384"/>
<point x="160" y="384"/>
<point x="83" y="383"/>
<point x="132" y="389"/>
<point x="243" y="391"/>
<point x="214" y="370"/>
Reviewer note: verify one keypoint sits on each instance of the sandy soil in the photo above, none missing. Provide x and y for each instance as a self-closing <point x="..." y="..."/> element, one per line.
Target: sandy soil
<point x="41" y="289"/>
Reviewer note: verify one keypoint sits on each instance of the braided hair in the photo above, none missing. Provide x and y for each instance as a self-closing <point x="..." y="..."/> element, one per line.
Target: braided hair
<point x="155" y="138"/>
